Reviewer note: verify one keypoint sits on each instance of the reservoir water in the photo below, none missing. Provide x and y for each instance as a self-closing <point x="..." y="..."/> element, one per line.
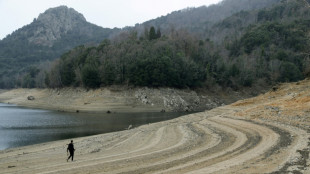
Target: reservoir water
<point x="22" y="126"/>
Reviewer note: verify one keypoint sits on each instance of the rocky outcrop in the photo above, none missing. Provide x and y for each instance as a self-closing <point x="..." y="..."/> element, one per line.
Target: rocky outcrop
<point x="176" y="100"/>
<point x="30" y="98"/>
<point x="54" y="23"/>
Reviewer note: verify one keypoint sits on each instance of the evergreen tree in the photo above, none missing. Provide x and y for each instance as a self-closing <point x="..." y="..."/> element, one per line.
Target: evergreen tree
<point x="158" y="33"/>
<point x="152" y="33"/>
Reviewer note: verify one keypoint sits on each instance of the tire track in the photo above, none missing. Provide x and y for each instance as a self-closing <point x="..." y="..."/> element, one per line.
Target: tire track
<point x="209" y="142"/>
<point x="141" y="153"/>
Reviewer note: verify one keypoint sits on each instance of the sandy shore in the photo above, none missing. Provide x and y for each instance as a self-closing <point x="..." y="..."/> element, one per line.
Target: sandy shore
<point x="266" y="134"/>
<point x="121" y="99"/>
<point x="76" y="100"/>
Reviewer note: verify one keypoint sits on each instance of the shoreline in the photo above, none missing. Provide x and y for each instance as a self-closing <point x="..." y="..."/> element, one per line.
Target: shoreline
<point x="122" y="99"/>
<point x="82" y="101"/>
<point x="265" y="134"/>
<point x="105" y="100"/>
<point x="24" y="130"/>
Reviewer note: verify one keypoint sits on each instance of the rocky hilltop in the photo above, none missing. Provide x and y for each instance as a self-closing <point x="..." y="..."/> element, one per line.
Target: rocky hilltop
<point x="54" y="32"/>
<point x="58" y="23"/>
<point x="53" y="24"/>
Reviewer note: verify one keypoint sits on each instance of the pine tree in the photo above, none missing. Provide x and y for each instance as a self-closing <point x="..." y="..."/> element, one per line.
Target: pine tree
<point x="152" y="34"/>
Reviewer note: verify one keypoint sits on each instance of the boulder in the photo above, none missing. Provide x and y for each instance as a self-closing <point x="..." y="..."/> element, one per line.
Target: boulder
<point x="30" y="98"/>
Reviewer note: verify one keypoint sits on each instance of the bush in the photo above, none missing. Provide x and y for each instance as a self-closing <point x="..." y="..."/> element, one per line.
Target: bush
<point x="289" y="72"/>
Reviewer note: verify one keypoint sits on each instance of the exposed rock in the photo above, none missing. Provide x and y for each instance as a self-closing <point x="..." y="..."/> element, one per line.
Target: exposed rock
<point x="140" y="94"/>
<point x="129" y="127"/>
<point x="271" y="108"/>
<point x="54" y="23"/>
<point x="175" y="99"/>
<point x="30" y="98"/>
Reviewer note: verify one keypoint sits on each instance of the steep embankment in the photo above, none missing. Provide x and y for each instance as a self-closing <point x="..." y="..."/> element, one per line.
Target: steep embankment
<point x="265" y="134"/>
<point x="116" y="99"/>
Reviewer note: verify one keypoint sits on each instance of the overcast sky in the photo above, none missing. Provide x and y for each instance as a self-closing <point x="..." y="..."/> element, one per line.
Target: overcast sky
<point x="14" y="14"/>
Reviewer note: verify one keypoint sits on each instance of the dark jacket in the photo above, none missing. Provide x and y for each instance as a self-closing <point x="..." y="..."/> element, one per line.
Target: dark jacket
<point x="70" y="147"/>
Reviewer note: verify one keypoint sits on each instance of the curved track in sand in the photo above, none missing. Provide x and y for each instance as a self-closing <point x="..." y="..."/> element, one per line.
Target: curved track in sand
<point x="208" y="142"/>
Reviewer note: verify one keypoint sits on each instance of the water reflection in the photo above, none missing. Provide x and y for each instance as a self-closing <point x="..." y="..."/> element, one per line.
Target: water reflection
<point x="21" y="126"/>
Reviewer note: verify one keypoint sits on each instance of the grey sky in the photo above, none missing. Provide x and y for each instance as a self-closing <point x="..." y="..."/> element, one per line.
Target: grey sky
<point x="15" y="14"/>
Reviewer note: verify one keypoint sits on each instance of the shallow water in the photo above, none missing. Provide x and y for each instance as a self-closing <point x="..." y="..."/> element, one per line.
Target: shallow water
<point x="22" y="126"/>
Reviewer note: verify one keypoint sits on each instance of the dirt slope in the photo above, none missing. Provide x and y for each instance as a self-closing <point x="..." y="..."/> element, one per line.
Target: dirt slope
<point x="116" y="99"/>
<point x="266" y="134"/>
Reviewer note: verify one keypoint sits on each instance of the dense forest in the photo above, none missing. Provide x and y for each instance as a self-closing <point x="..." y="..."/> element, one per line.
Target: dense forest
<point x="152" y="60"/>
<point x="199" y="21"/>
<point x="249" y="48"/>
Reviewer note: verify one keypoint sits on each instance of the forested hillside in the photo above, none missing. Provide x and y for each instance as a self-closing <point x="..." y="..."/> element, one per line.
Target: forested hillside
<point x="272" y="49"/>
<point x="277" y="45"/>
<point x="154" y="60"/>
<point x="53" y="33"/>
<point x="199" y="21"/>
<point x="264" y="43"/>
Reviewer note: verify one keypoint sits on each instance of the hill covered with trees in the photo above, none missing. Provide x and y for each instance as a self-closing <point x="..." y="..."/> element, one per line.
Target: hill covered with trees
<point x="264" y="43"/>
<point x="273" y="48"/>
<point x="152" y="60"/>
<point x="199" y="21"/>
<point x="53" y="33"/>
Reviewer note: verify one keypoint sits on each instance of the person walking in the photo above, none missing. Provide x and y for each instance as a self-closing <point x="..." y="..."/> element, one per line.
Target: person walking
<point x="71" y="150"/>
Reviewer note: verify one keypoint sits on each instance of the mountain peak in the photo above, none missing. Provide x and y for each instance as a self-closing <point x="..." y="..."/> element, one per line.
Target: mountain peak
<point x="61" y="13"/>
<point x="53" y="23"/>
